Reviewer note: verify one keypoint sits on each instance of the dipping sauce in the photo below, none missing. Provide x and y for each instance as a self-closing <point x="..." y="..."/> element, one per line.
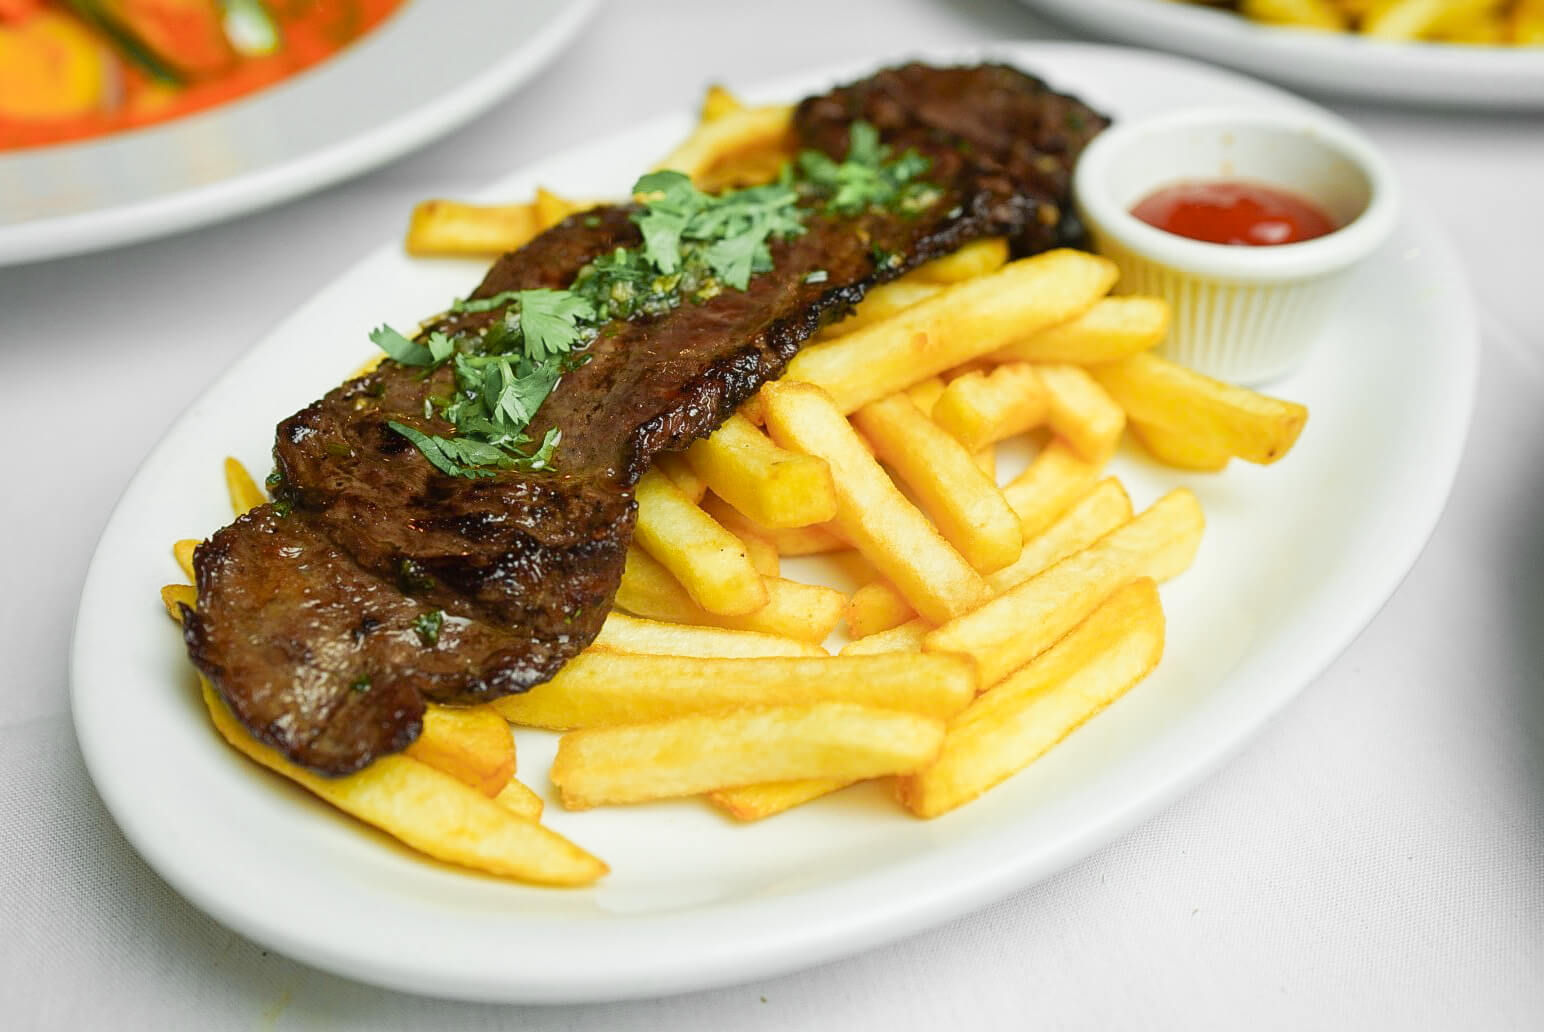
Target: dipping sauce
<point x="1227" y="211"/>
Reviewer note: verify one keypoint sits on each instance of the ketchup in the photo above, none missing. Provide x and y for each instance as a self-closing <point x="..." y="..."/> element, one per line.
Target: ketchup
<point x="1222" y="211"/>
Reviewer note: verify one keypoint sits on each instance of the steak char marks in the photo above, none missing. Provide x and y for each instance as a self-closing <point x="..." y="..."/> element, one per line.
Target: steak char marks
<point x="377" y="583"/>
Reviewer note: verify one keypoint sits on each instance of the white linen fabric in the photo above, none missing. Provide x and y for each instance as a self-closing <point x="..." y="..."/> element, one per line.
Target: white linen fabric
<point x="1374" y="860"/>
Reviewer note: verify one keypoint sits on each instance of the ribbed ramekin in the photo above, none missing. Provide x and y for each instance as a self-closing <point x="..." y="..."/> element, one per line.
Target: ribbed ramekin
<point x="1242" y="314"/>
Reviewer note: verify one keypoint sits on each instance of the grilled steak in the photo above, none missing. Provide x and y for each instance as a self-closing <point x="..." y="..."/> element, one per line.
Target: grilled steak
<point x="379" y="582"/>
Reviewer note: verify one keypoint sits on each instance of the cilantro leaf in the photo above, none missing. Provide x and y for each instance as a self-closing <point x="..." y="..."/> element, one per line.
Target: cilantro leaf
<point x="400" y="348"/>
<point x="551" y="322"/>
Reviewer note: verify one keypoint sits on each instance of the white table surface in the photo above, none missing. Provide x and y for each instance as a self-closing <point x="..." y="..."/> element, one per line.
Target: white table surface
<point x="1374" y="860"/>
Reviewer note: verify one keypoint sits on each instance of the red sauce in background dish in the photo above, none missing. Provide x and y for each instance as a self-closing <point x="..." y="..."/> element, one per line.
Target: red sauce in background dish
<point x="1226" y="211"/>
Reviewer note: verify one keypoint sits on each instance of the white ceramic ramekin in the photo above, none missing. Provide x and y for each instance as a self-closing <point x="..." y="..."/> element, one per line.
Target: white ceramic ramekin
<point x="1242" y="314"/>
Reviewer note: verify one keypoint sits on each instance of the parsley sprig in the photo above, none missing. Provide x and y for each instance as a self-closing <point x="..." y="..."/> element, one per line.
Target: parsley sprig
<point x="695" y="245"/>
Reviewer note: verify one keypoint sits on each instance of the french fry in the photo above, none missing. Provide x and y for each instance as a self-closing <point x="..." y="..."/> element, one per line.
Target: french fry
<point x="173" y="596"/>
<point x="1024" y="621"/>
<point x="1016" y="722"/>
<point x="182" y="551"/>
<point x="854" y="566"/>
<point x="807" y="612"/>
<point x="982" y="408"/>
<point x="675" y="467"/>
<point x="1049" y="486"/>
<point x="1102" y="510"/>
<point x="1415" y="19"/>
<point x="633" y="634"/>
<point x="1115" y="327"/>
<point x="774" y="487"/>
<point x="875" y="607"/>
<point x="600" y="688"/>
<point x="430" y="811"/>
<point x="881" y="303"/>
<point x="731" y="136"/>
<point x="763" y="553"/>
<point x="710" y="562"/>
<point x="1081" y="412"/>
<point x="814" y="539"/>
<point x="985" y="459"/>
<point x="552" y="209"/>
<point x="907" y="637"/>
<point x="1253" y="427"/>
<point x="519" y="800"/>
<point x="963" y="502"/>
<point x="871" y="512"/>
<point x="925" y="393"/>
<point x="470" y="743"/>
<point x="955" y="325"/>
<point x="243" y="490"/>
<point x="977" y="258"/>
<point x="442" y="228"/>
<point x="754" y="802"/>
<point x="718" y="102"/>
<point x="1303" y="14"/>
<point x="1525" y="23"/>
<point x="707" y="752"/>
<point x="1179" y="450"/>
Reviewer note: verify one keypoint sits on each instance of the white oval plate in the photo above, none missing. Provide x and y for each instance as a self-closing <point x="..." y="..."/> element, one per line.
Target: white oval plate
<point x="431" y="66"/>
<point x="1297" y="559"/>
<point x="1431" y="74"/>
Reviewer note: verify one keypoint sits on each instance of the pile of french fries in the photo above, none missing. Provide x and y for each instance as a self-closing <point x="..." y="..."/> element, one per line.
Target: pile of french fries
<point x="991" y="620"/>
<point x="1475" y="22"/>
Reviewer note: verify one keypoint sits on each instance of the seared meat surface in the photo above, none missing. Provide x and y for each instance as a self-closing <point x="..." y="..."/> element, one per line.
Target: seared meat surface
<point x="311" y="620"/>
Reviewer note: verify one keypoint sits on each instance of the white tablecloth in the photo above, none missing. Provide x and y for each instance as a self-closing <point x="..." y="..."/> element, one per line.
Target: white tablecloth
<point x="1374" y="860"/>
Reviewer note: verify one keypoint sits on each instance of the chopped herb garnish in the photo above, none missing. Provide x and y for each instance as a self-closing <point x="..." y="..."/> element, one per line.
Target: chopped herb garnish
<point x="695" y="245"/>
<point x="360" y="683"/>
<point x="427" y="627"/>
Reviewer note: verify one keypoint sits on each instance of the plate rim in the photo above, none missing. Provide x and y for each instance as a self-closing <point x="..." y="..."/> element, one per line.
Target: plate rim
<point x="351" y="154"/>
<point x="1000" y="874"/>
<point x="1443" y="76"/>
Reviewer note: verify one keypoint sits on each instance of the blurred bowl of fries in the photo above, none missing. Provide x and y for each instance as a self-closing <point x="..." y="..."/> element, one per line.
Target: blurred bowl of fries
<point x="1245" y="314"/>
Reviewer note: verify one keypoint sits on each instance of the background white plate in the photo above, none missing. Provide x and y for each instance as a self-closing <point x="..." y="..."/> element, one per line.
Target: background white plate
<point x="1297" y="558"/>
<point x="1504" y="78"/>
<point x="431" y="66"/>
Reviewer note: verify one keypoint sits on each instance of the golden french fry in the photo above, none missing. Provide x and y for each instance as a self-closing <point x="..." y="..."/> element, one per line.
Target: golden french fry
<point x="1100" y="511"/>
<point x="981" y="408"/>
<point x="753" y="802"/>
<point x="963" y="502"/>
<point x="682" y="475"/>
<point x="774" y="487"/>
<point x="1049" y="486"/>
<point x="1179" y="450"/>
<point x="881" y="303"/>
<point x="430" y="811"/>
<point x="600" y="688"/>
<point x="853" y="566"/>
<point x="442" y="228"/>
<point x="871" y="512"/>
<point x="811" y="540"/>
<point x="955" y="325"/>
<point x="977" y="258"/>
<point x="875" y="607"/>
<point x="717" y="103"/>
<point x="906" y="637"/>
<point x="519" y="800"/>
<point x="985" y="459"/>
<point x="710" y="562"/>
<point x="808" y="612"/>
<point x="1525" y="23"/>
<point x="733" y="136"/>
<point x="182" y="551"/>
<point x="1416" y="19"/>
<point x="1113" y="328"/>
<point x="243" y="489"/>
<point x="470" y="743"/>
<point x="1081" y="412"/>
<point x="1016" y="722"/>
<point x="175" y="595"/>
<point x="656" y="637"/>
<point x="1254" y="427"/>
<point x="707" y="752"/>
<point x="1024" y="621"/>
<point x="763" y="554"/>
<point x="925" y="393"/>
<point x="552" y="209"/>
<point x="1302" y="14"/>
